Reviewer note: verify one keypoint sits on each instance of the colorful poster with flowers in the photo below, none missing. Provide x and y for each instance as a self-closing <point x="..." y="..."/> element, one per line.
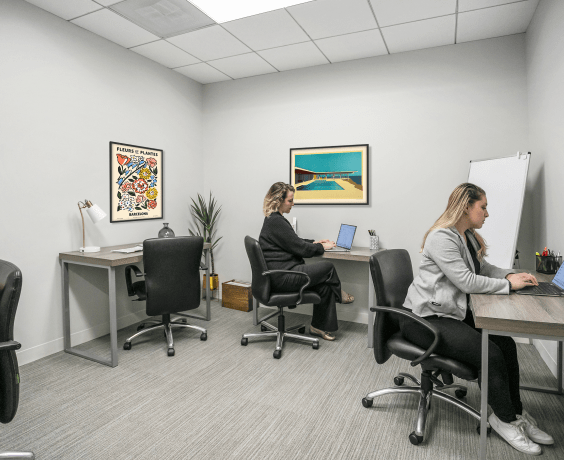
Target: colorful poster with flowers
<point x="136" y="180"/>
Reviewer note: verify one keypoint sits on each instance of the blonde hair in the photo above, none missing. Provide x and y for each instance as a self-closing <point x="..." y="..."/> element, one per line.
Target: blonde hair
<point x="275" y="197"/>
<point x="460" y="199"/>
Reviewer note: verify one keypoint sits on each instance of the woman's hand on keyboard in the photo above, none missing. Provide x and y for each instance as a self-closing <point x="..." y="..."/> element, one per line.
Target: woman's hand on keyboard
<point x="521" y="280"/>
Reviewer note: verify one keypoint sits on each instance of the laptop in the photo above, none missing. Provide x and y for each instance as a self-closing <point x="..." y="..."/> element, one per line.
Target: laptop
<point x="345" y="238"/>
<point x="554" y="289"/>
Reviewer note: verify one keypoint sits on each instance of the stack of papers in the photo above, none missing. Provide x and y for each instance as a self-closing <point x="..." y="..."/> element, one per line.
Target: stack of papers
<point x="129" y="250"/>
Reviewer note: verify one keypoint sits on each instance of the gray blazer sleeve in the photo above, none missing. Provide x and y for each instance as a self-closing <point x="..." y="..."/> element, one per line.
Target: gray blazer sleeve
<point x="445" y="249"/>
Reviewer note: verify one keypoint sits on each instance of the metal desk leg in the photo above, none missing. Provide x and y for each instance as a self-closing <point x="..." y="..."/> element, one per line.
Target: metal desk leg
<point x="208" y="293"/>
<point x="65" y="298"/>
<point x="559" y="367"/>
<point x="484" y="396"/>
<point x="371" y="314"/>
<point x="113" y="315"/>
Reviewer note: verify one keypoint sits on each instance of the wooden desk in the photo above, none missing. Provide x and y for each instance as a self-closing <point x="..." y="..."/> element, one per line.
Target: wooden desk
<point x="537" y="317"/>
<point x="108" y="260"/>
<point x="360" y="254"/>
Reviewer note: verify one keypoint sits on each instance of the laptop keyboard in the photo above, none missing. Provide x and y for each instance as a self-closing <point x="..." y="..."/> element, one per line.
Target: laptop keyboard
<point x="544" y="288"/>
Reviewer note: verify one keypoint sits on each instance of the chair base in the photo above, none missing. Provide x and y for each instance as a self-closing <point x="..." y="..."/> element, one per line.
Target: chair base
<point x="427" y="390"/>
<point x="280" y="333"/>
<point x="17" y="455"/>
<point x="167" y="324"/>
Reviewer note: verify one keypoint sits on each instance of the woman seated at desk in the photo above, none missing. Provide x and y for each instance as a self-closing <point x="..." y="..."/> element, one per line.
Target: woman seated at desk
<point x="284" y="250"/>
<point x="452" y="267"/>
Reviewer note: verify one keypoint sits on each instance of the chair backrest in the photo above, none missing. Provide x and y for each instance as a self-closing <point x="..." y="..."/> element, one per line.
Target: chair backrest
<point x="260" y="284"/>
<point x="172" y="274"/>
<point x="392" y="275"/>
<point x="10" y="289"/>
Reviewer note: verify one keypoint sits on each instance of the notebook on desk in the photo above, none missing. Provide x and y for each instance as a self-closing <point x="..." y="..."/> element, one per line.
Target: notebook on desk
<point x="553" y="289"/>
<point x="345" y="238"/>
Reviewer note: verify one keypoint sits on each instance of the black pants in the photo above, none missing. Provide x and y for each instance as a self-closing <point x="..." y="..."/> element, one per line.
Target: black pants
<point x="324" y="281"/>
<point x="461" y="340"/>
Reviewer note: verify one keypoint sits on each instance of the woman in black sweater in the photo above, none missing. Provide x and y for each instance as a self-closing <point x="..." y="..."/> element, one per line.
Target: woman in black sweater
<point x="283" y="249"/>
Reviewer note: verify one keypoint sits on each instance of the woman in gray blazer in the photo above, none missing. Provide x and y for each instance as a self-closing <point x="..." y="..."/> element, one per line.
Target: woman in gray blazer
<point x="453" y="266"/>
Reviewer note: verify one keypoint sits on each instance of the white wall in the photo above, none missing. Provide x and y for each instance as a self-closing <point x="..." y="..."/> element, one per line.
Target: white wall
<point x="65" y="94"/>
<point x="425" y="114"/>
<point x="545" y="74"/>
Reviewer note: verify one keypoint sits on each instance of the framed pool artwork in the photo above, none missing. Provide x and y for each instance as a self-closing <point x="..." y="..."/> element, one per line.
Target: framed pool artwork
<point x="330" y="175"/>
<point x="136" y="183"/>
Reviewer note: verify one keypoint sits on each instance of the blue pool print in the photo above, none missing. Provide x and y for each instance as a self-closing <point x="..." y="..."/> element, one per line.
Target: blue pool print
<point x="321" y="185"/>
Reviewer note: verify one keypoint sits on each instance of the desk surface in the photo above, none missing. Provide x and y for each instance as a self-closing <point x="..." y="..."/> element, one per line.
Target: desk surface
<point x="357" y="253"/>
<point x="524" y="314"/>
<point x="107" y="258"/>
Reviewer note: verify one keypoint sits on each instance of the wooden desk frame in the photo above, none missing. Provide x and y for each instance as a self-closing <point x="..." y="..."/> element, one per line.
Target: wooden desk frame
<point x="108" y="260"/>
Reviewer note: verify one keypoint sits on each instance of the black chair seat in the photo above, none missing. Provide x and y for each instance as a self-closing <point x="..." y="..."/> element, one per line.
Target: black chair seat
<point x="409" y="351"/>
<point x="291" y="298"/>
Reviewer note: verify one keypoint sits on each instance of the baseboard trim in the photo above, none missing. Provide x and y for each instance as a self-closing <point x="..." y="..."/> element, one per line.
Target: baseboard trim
<point x="29" y="355"/>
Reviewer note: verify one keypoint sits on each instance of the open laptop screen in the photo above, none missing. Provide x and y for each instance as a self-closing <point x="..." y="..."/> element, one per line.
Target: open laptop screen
<point x="346" y="236"/>
<point x="559" y="277"/>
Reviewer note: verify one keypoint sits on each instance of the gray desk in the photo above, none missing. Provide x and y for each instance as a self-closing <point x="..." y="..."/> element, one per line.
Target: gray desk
<point x="536" y="317"/>
<point x="108" y="260"/>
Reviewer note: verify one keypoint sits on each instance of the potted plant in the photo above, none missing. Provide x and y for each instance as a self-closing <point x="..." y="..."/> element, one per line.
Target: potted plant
<point x="205" y="217"/>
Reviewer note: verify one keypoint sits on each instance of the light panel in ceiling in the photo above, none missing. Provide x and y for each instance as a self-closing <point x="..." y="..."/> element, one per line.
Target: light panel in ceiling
<point x="229" y="10"/>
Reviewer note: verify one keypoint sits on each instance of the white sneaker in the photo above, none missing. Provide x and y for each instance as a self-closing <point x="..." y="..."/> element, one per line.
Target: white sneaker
<point x="533" y="431"/>
<point x="514" y="433"/>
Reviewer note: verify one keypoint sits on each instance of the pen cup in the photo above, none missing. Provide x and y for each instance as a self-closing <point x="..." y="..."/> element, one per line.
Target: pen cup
<point x="374" y="242"/>
<point x="547" y="264"/>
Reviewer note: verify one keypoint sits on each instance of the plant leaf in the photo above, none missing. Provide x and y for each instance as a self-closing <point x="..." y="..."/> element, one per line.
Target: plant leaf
<point x="119" y="195"/>
<point x="131" y="193"/>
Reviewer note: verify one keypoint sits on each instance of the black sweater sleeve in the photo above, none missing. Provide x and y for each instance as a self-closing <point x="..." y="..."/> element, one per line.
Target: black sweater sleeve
<point x="281" y="247"/>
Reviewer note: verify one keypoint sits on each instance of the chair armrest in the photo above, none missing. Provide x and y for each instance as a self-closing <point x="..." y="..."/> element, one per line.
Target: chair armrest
<point x="291" y="272"/>
<point x="10" y="345"/>
<point x="128" y="269"/>
<point x="419" y="320"/>
<point x="202" y="266"/>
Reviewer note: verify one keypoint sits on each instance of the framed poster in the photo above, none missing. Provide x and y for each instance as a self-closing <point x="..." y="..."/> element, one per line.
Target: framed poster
<point x="136" y="183"/>
<point x="330" y="175"/>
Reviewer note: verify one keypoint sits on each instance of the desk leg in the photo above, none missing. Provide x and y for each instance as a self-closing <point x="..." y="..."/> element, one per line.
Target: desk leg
<point x="208" y="293"/>
<point x="65" y="298"/>
<point x="113" y="315"/>
<point x="484" y="396"/>
<point x="559" y="367"/>
<point x="371" y="314"/>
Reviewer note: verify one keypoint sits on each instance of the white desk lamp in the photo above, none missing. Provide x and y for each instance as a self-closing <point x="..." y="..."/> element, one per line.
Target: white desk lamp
<point x="95" y="214"/>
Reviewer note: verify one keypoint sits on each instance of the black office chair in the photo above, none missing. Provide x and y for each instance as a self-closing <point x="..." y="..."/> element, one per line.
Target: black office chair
<point x="171" y="285"/>
<point x="10" y="289"/>
<point x="392" y="275"/>
<point x="262" y="293"/>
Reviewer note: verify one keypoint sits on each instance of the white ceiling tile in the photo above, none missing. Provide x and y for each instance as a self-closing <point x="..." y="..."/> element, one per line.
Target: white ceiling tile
<point x="165" y="53"/>
<point x="294" y="56"/>
<point x="212" y="42"/>
<point x="67" y="9"/>
<point x="467" y="5"/>
<point x="115" y="28"/>
<point x="353" y="46"/>
<point x="108" y="2"/>
<point x="420" y="34"/>
<point x="267" y="30"/>
<point x="390" y="12"/>
<point x="513" y="18"/>
<point x="202" y="73"/>
<point x="245" y="65"/>
<point x="328" y="18"/>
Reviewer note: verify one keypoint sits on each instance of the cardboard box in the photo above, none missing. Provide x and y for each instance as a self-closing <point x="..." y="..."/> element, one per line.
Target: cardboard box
<point x="237" y="295"/>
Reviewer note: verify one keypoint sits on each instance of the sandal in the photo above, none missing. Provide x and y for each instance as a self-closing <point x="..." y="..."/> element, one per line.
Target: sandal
<point x="324" y="335"/>
<point x="346" y="298"/>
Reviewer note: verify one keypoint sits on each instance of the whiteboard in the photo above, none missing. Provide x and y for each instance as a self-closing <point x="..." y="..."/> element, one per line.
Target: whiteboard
<point x="504" y="181"/>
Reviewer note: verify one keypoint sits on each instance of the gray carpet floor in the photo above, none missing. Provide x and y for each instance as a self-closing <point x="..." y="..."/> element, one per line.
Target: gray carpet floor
<point x="220" y="400"/>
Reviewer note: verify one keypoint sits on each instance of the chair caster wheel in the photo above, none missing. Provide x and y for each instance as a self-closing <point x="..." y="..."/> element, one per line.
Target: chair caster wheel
<point x="171" y="352"/>
<point x="367" y="402"/>
<point x="301" y="330"/>
<point x="398" y="381"/>
<point x="277" y="354"/>
<point x="460" y="393"/>
<point x="488" y="431"/>
<point x="204" y="336"/>
<point x="263" y="328"/>
<point x="244" y="341"/>
<point x="141" y="326"/>
<point x="414" y="439"/>
<point x="127" y="346"/>
<point x="315" y="345"/>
